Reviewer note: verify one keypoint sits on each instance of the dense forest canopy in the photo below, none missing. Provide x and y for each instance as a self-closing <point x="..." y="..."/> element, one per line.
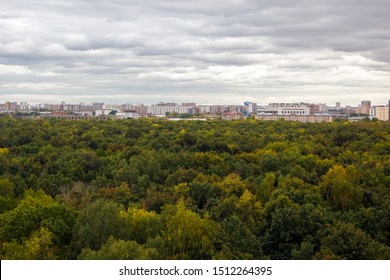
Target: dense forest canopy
<point x="158" y="189"/>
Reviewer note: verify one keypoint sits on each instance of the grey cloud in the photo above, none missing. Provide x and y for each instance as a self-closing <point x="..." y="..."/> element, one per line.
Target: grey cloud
<point x="257" y="48"/>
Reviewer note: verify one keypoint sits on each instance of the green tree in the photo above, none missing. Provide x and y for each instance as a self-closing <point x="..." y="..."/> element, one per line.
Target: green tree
<point x="339" y="188"/>
<point x="237" y="241"/>
<point x="344" y="241"/>
<point x="266" y="187"/>
<point x="39" y="246"/>
<point x="288" y="225"/>
<point x="305" y="252"/>
<point x="7" y="197"/>
<point x="202" y="193"/>
<point x="114" y="249"/>
<point x="187" y="235"/>
<point x="96" y="223"/>
<point x="37" y="210"/>
<point x="140" y="225"/>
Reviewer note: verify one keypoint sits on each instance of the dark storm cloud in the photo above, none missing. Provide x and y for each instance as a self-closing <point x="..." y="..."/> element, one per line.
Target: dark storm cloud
<point x="256" y="49"/>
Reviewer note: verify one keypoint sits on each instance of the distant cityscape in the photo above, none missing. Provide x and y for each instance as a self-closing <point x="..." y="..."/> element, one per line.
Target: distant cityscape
<point x="302" y="112"/>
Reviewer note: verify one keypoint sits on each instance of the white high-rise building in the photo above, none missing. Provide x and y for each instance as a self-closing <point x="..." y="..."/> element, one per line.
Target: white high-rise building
<point x="288" y="109"/>
<point x="250" y="107"/>
<point x="163" y="109"/>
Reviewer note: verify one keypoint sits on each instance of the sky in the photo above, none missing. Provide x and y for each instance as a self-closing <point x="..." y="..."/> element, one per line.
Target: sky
<point x="204" y="51"/>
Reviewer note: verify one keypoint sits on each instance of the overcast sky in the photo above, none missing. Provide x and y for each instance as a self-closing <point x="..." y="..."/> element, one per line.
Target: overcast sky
<point x="204" y="51"/>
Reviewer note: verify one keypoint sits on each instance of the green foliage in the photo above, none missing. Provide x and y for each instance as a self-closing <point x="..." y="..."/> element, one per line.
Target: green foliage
<point x="6" y="188"/>
<point x="37" y="210"/>
<point x="39" y="246"/>
<point x="141" y="225"/>
<point x="344" y="241"/>
<point x="305" y="252"/>
<point x="114" y="249"/>
<point x="266" y="187"/>
<point x="186" y="234"/>
<point x="288" y="225"/>
<point x="340" y="190"/>
<point x="96" y="223"/>
<point x="237" y="241"/>
<point x="7" y="199"/>
<point x="158" y="189"/>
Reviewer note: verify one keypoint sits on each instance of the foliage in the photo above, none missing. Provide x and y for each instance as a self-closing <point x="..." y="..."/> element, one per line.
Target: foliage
<point x="119" y="250"/>
<point x="159" y="189"/>
<point x="96" y="223"/>
<point x="34" y="211"/>
<point x="39" y="246"/>
<point x="344" y="241"/>
<point x="186" y="234"/>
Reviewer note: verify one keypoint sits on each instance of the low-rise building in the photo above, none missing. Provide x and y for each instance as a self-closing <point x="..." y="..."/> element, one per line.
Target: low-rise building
<point x="288" y="109"/>
<point x="296" y="118"/>
<point x="230" y="116"/>
<point x="65" y="116"/>
<point x="126" y="115"/>
<point x="103" y="112"/>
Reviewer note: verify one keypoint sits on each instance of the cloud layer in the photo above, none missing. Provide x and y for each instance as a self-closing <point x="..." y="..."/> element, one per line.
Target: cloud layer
<point x="202" y="51"/>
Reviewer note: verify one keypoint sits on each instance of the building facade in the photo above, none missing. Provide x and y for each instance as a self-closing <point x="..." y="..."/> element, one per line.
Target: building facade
<point x="296" y="118"/>
<point x="288" y="109"/>
<point x="382" y="113"/>
<point x="365" y="107"/>
<point x="164" y="109"/>
<point x="230" y="116"/>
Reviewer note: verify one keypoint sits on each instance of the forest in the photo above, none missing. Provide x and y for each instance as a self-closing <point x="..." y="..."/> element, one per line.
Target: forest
<point x="159" y="189"/>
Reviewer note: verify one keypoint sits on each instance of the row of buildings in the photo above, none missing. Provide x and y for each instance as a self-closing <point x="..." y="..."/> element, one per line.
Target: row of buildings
<point x="303" y="112"/>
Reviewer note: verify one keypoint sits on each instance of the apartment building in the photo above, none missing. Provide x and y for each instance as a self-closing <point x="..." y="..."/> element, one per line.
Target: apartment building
<point x="164" y="109"/>
<point x="382" y="113"/>
<point x="296" y="118"/>
<point x="288" y="109"/>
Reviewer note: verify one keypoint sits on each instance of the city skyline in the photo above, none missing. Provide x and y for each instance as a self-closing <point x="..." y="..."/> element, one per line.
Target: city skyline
<point x="301" y="112"/>
<point x="205" y="51"/>
<point x="157" y="102"/>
